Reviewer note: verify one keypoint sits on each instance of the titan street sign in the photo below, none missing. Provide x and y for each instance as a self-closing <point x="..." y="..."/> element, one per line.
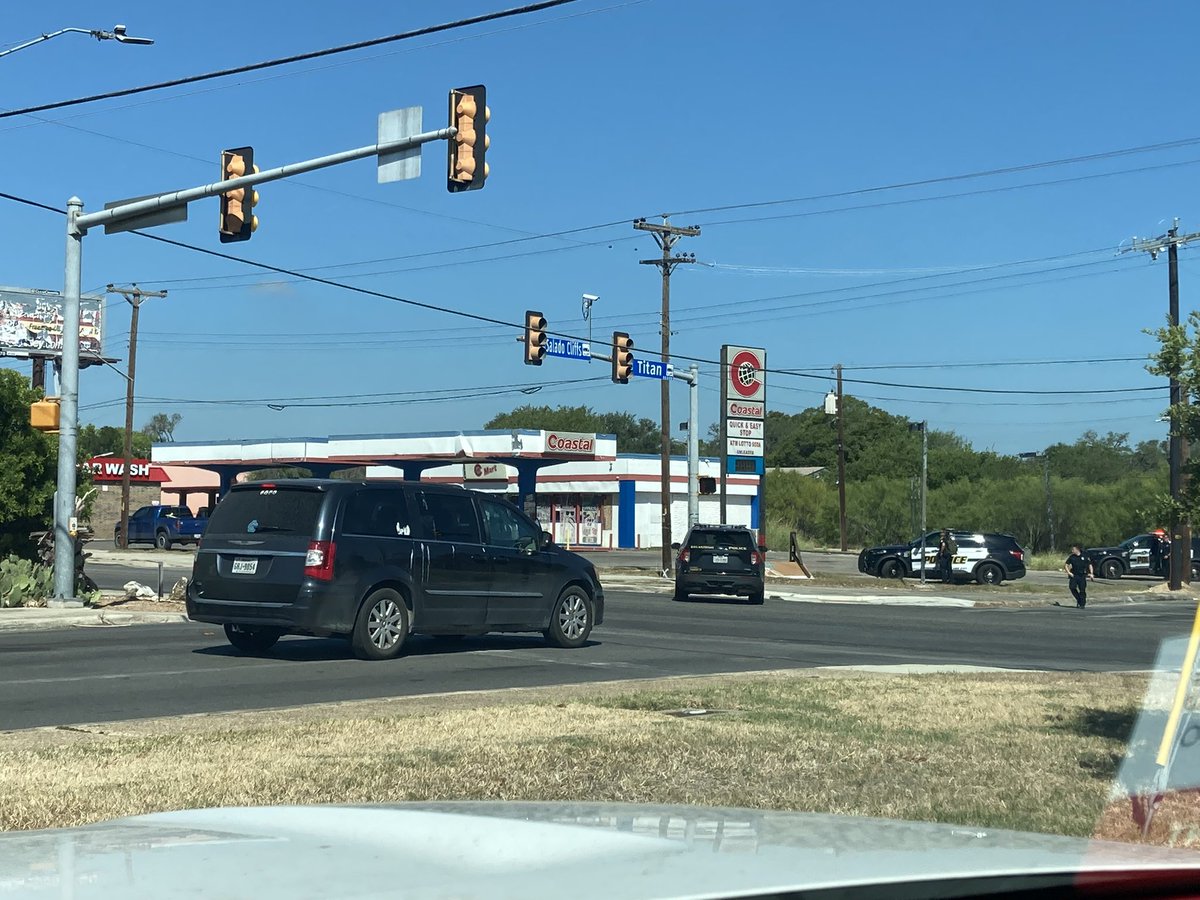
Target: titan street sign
<point x="651" y="368"/>
<point x="568" y="349"/>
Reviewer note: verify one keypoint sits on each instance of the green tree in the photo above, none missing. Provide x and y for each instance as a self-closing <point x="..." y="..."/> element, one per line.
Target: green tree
<point x="28" y="468"/>
<point x="161" y="427"/>
<point x="107" y="439"/>
<point x="634" y="435"/>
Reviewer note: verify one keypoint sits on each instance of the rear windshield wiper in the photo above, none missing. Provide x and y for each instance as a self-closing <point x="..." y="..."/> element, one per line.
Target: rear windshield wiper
<point x="262" y="528"/>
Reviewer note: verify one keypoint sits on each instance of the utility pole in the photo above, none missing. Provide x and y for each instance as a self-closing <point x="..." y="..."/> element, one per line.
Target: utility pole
<point x="841" y="450"/>
<point x="134" y="295"/>
<point x="667" y="235"/>
<point x="1045" y="458"/>
<point x="1181" y="530"/>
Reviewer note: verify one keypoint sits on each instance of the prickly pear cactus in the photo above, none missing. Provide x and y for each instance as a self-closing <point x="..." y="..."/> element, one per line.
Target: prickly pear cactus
<point x="24" y="583"/>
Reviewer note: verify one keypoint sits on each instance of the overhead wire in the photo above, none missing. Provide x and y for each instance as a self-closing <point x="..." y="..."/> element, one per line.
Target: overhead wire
<point x="491" y="319"/>
<point x="288" y="60"/>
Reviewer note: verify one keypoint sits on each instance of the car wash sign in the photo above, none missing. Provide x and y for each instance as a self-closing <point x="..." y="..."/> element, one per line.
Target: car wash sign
<point x="743" y="408"/>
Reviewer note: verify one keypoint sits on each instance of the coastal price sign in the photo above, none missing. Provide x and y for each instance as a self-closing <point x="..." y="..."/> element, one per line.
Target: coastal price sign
<point x="743" y="412"/>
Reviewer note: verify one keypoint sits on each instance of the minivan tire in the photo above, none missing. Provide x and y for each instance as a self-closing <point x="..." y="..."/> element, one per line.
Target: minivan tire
<point x="162" y="541"/>
<point x="252" y="639"/>
<point x="572" y="619"/>
<point x="381" y="626"/>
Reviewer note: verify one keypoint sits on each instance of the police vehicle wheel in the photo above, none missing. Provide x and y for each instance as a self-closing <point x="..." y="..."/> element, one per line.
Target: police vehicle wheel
<point x="891" y="569"/>
<point x="989" y="573"/>
<point x="1111" y="569"/>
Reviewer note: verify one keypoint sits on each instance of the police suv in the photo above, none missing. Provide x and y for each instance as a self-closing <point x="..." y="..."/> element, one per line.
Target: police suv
<point x="988" y="558"/>
<point x="1142" y="554"/>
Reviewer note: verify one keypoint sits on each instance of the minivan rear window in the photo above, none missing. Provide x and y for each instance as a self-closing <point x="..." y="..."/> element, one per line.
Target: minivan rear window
<point x="721" y="540"/>
<point x="268" y="511"/>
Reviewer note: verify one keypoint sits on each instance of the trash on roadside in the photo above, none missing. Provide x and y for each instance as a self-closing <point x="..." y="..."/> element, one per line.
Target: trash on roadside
<point x="135" y="591"/>
<point x="179" y="591"/>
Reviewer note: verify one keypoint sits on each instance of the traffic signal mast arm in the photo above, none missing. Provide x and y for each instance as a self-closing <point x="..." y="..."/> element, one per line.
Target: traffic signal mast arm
<point x="137" y="208"/>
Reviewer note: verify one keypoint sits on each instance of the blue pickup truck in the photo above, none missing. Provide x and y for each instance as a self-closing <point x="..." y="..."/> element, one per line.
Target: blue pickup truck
<point x="162" y="526"/>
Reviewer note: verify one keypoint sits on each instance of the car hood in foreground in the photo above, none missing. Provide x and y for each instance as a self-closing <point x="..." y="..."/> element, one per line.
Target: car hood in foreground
<point x="534" y="850"/>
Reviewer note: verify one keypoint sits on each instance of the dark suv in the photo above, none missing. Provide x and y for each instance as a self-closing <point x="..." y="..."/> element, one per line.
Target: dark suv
<point x="719" y="559"/>
<point x="988" y="558"/>
<point x="378" y="561"/>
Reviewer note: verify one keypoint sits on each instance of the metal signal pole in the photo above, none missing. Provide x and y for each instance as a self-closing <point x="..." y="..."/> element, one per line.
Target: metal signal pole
<point x="841" y="449"/>
<point x="1181" y="530"/>
<point x="667" y="235"/>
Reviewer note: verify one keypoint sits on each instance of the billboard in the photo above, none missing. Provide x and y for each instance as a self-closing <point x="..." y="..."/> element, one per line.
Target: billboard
<point x="31" y="323"/>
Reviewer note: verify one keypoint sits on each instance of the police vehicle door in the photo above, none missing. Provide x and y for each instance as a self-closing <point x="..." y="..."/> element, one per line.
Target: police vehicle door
<point x="931" y="547"/>
<point x="971" y="549"/>
<point x="1139" y="554"/>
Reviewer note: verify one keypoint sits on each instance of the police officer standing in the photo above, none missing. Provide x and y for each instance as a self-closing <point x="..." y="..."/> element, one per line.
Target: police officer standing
<point x="947" y="549"/>
<point x="1079" y="568"/>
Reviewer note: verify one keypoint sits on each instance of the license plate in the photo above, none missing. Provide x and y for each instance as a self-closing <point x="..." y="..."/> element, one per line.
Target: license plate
<point x="245" y="566"/>
<point x="720" y="557"/>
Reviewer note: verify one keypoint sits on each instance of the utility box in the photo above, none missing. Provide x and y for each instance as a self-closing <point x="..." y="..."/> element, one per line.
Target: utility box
<point x="43" y="414"/>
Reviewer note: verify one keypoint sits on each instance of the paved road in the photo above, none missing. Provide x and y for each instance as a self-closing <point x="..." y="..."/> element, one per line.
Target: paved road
<point x="70" y="676"/>
<point x="142" y="566"/>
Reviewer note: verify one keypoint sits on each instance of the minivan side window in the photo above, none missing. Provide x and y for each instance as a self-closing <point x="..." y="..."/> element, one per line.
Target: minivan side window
<point x="377" y="512"/>
<point x="505" y="527"/>
<point x="449" y="517"/>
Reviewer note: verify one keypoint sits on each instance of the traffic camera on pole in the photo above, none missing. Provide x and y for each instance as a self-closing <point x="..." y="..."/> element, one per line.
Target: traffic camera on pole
<point x="238" y="221"/>
<point x="469" y="114"/>
<point x="622" y="357"/>
<point x="535" y="337"/>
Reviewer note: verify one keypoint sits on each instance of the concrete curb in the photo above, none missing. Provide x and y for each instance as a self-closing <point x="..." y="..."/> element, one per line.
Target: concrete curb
<point x="41" y="619"/>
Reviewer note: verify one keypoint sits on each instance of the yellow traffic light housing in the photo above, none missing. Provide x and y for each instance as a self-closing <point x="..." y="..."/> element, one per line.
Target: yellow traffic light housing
<point x="43" y="414"/>
<point x="535" y="337"/>
<point x="467" y="151"/>
<point x="622" y="357"/>
<point x="238" y="221"/>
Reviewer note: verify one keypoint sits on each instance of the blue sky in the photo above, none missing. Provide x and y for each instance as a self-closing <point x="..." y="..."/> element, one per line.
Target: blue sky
<point x="603" y="111"/>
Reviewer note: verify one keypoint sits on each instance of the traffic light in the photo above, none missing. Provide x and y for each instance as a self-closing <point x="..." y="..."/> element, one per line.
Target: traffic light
<point x="467" y="150"/>
<point x="238" y="221"/>
<point x="622" y="357"/>
<point x="43" y="414"/>
<point x="535" y="337"/>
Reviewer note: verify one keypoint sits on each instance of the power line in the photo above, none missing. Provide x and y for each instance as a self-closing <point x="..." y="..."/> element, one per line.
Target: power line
<point x="398" y="398"/>
<point x="945" y="179"/>
<point x="287" y="60"/>
<point x="494" y="321"/>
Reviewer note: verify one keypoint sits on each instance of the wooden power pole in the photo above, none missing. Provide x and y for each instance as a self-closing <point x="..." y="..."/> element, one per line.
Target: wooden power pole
<point x="135" y="296"/>
<point x="1181" y="530"/>
<point x="667" y="235"/>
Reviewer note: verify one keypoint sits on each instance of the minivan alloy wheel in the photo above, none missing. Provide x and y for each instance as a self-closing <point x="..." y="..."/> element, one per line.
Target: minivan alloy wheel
<point x="573" y="617"/>
<point x="381" y="627"/>
<point x="385" y="623"/>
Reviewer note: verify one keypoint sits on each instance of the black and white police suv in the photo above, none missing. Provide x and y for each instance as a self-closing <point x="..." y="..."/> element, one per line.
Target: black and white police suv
<point x="988" y="558"/>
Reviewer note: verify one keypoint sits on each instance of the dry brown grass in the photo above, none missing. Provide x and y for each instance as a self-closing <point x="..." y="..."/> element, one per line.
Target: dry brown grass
<point x="1032" y="752"/>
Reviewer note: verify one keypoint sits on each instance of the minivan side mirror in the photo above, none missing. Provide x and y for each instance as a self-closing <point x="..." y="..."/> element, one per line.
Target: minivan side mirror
<point x="676" y="545"/>
<point x="547" y="539"/>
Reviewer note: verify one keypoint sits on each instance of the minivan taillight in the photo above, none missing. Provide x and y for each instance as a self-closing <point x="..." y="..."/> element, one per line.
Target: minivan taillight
<point x="318" y="561"/>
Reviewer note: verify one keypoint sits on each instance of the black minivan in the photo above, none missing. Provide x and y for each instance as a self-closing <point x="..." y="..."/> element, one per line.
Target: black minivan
<point x="377" y="561"/>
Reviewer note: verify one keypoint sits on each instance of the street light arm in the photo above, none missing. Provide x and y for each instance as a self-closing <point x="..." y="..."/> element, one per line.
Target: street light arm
<point x="118" y="34"/>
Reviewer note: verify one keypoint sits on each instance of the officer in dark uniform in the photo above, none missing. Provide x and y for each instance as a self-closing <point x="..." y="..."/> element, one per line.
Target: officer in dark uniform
<point x="947" y="549"/>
